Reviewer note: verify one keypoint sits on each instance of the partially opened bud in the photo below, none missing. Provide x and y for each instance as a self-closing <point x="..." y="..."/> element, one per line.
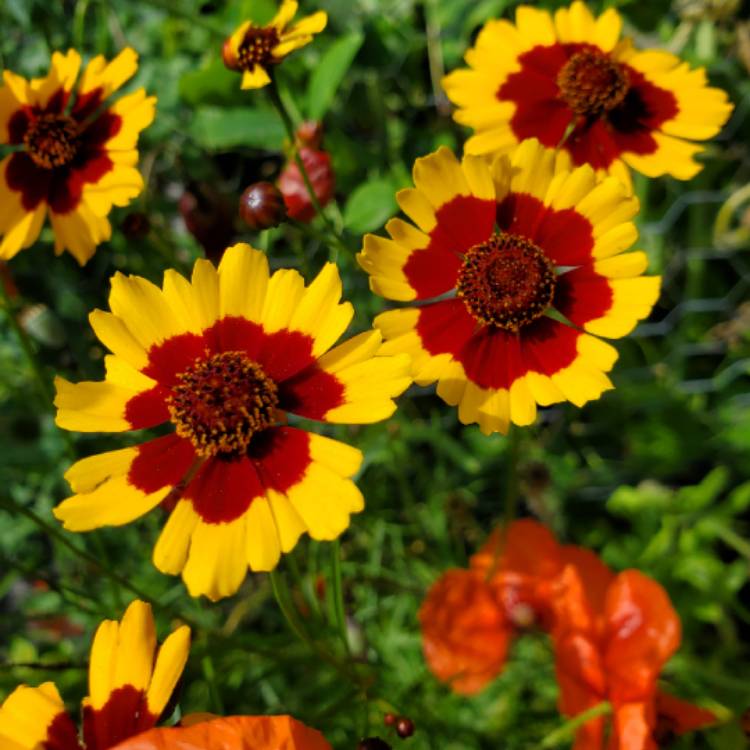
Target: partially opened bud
<point x="293" y="188"/>
<point x="262" y="206"/>
<point x="310" y="134"/>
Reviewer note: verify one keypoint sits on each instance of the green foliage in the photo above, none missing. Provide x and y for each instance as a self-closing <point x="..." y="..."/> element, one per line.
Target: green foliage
<point x="653" y="475"/>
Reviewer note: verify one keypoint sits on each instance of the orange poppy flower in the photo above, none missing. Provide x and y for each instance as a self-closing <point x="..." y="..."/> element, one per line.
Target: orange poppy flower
<point x="613" y="648"/>
<point x="465" y="634"/>
<point x="130" y="684"/>
<point x="232" y="733"/>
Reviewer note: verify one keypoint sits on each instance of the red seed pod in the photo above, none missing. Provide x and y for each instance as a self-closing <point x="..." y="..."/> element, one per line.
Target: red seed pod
<point x="389" y="720"/>
<point x="373" y="743"/>
<point x="293" y="188"/>
<point x="310" y="134"/>
<point x="262" y="206"/>
<point x="404" y="727"/>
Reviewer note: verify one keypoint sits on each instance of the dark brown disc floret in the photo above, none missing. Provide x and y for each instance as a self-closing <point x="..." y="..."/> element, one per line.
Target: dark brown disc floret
<point x="257" y="47"/>
<point x="592" y="83"/>
<point x="52" y="140"/>
<point x="221" y="401"/>
<point x="506" y="282"/>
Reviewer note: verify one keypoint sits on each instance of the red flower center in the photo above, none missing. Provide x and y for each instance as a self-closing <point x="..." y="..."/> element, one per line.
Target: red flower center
<point x="220" y="402"/>
<point x="256" y="47"/>
<point x="592" y="83"/>
<point x="52" y="140"/>
<point x="507" y="282"/>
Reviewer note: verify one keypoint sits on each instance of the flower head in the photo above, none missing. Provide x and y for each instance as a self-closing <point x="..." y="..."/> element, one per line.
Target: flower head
<point x="130" y="683"/>
<point x="75" y="152"/>
<point x="254" y="50"/>
<point x="223" y="360"/>
<point x="496" y="252"/>
<point x="613" y="648"/>
<point x="232" y="733"/>
<point x="544" y="75"/>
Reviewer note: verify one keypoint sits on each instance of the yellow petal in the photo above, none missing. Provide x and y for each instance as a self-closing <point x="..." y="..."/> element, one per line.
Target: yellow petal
<point x="171" y="550"/>
<point x="170" y="663"/>
<point x="243" y="280"/>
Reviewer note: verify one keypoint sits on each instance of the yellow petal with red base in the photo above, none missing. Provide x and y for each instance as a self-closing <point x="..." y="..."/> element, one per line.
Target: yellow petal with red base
<point x="216" y="564"/>
<point x="62" y="75"/>
<point x="170" y="663"/>
<point x="27" y="714"/>
<point x="370" y="383"/>
<point x="171" y="550"/>
<point x="243" y="282"/>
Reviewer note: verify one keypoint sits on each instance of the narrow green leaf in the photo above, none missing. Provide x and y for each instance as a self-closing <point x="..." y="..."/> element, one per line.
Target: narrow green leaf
<point x="329" y="73"/>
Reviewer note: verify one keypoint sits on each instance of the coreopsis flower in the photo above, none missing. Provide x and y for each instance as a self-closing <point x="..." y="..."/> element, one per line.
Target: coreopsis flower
<point x="222" y="360"/>
<point x="131" y="680"/>
<point x="520" y="267"/>
<point x="232" y="733"/>
<point x="614" y="650"/>
<point x="74" y="152"/>
<point x="254" y="50"/>
<point x="572" y="82"/>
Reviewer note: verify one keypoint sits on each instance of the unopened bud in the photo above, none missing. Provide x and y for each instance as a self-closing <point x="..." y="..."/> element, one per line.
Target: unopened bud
<point x="310" y="134"/>
<point x="389" y="720"/>
<point x="136" y="225"/>
<point x="262" y="206"/>
<point x="404" y="727"/>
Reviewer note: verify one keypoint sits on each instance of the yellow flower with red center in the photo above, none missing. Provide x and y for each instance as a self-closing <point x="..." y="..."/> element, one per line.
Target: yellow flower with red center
<point x="74" y="152"/>
<point x="254" y="50"/>
<point x="570" y="79"/>
<point x="520" y="267"/>
<point x="225" y="359"/>
<point x="131" y="680"/>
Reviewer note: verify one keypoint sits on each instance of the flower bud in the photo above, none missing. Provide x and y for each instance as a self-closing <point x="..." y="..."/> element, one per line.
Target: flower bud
<point x="262" y="206"/>
<point x="389" y="720"/>
<point x="404" y="727"/>
<point x="373" y="743"/>
<point x="293" y="188"/>
<point x="310" y="134"/>
<point x="136" y="225"/>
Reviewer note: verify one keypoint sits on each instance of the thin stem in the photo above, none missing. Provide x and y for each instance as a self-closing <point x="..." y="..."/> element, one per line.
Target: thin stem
<point x="45" y="387"/>
<point x="338" y="592"/>
<point x="13" y="506"/>
<point x="210" y="674"/>
<point x="567" y="730"/>
<point x="290" y="616"/>
<point x="286" y="118"/>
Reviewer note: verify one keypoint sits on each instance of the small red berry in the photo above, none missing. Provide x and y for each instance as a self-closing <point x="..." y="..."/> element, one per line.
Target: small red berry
<point x="262" y="206"/>
<point x="373" y="743"/>
<point x="389" y="720"/>
<point x="404" y="727"/>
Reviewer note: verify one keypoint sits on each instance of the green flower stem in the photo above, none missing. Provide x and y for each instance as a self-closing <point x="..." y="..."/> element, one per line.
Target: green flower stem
<point x="210" y="675"/>
<point x="43" y="383"/>
<point x="286" y="118"/>
<point x="14" y="507"/>
<point x="338" y="592"/>
<point x="567" y="730"/>
<point x="280" y="592"/>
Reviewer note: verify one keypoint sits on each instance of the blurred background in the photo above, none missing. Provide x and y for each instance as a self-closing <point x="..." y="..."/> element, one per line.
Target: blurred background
<point x="654" y="475"/>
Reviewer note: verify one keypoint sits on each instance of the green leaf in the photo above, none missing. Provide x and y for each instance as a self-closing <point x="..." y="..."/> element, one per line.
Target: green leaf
<point x="701" y="495"/>
<point x="370" y="206"/>
<point x="218" y="128"/>
<point x="213" y="84"/>
<point x="329" y="73"/>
